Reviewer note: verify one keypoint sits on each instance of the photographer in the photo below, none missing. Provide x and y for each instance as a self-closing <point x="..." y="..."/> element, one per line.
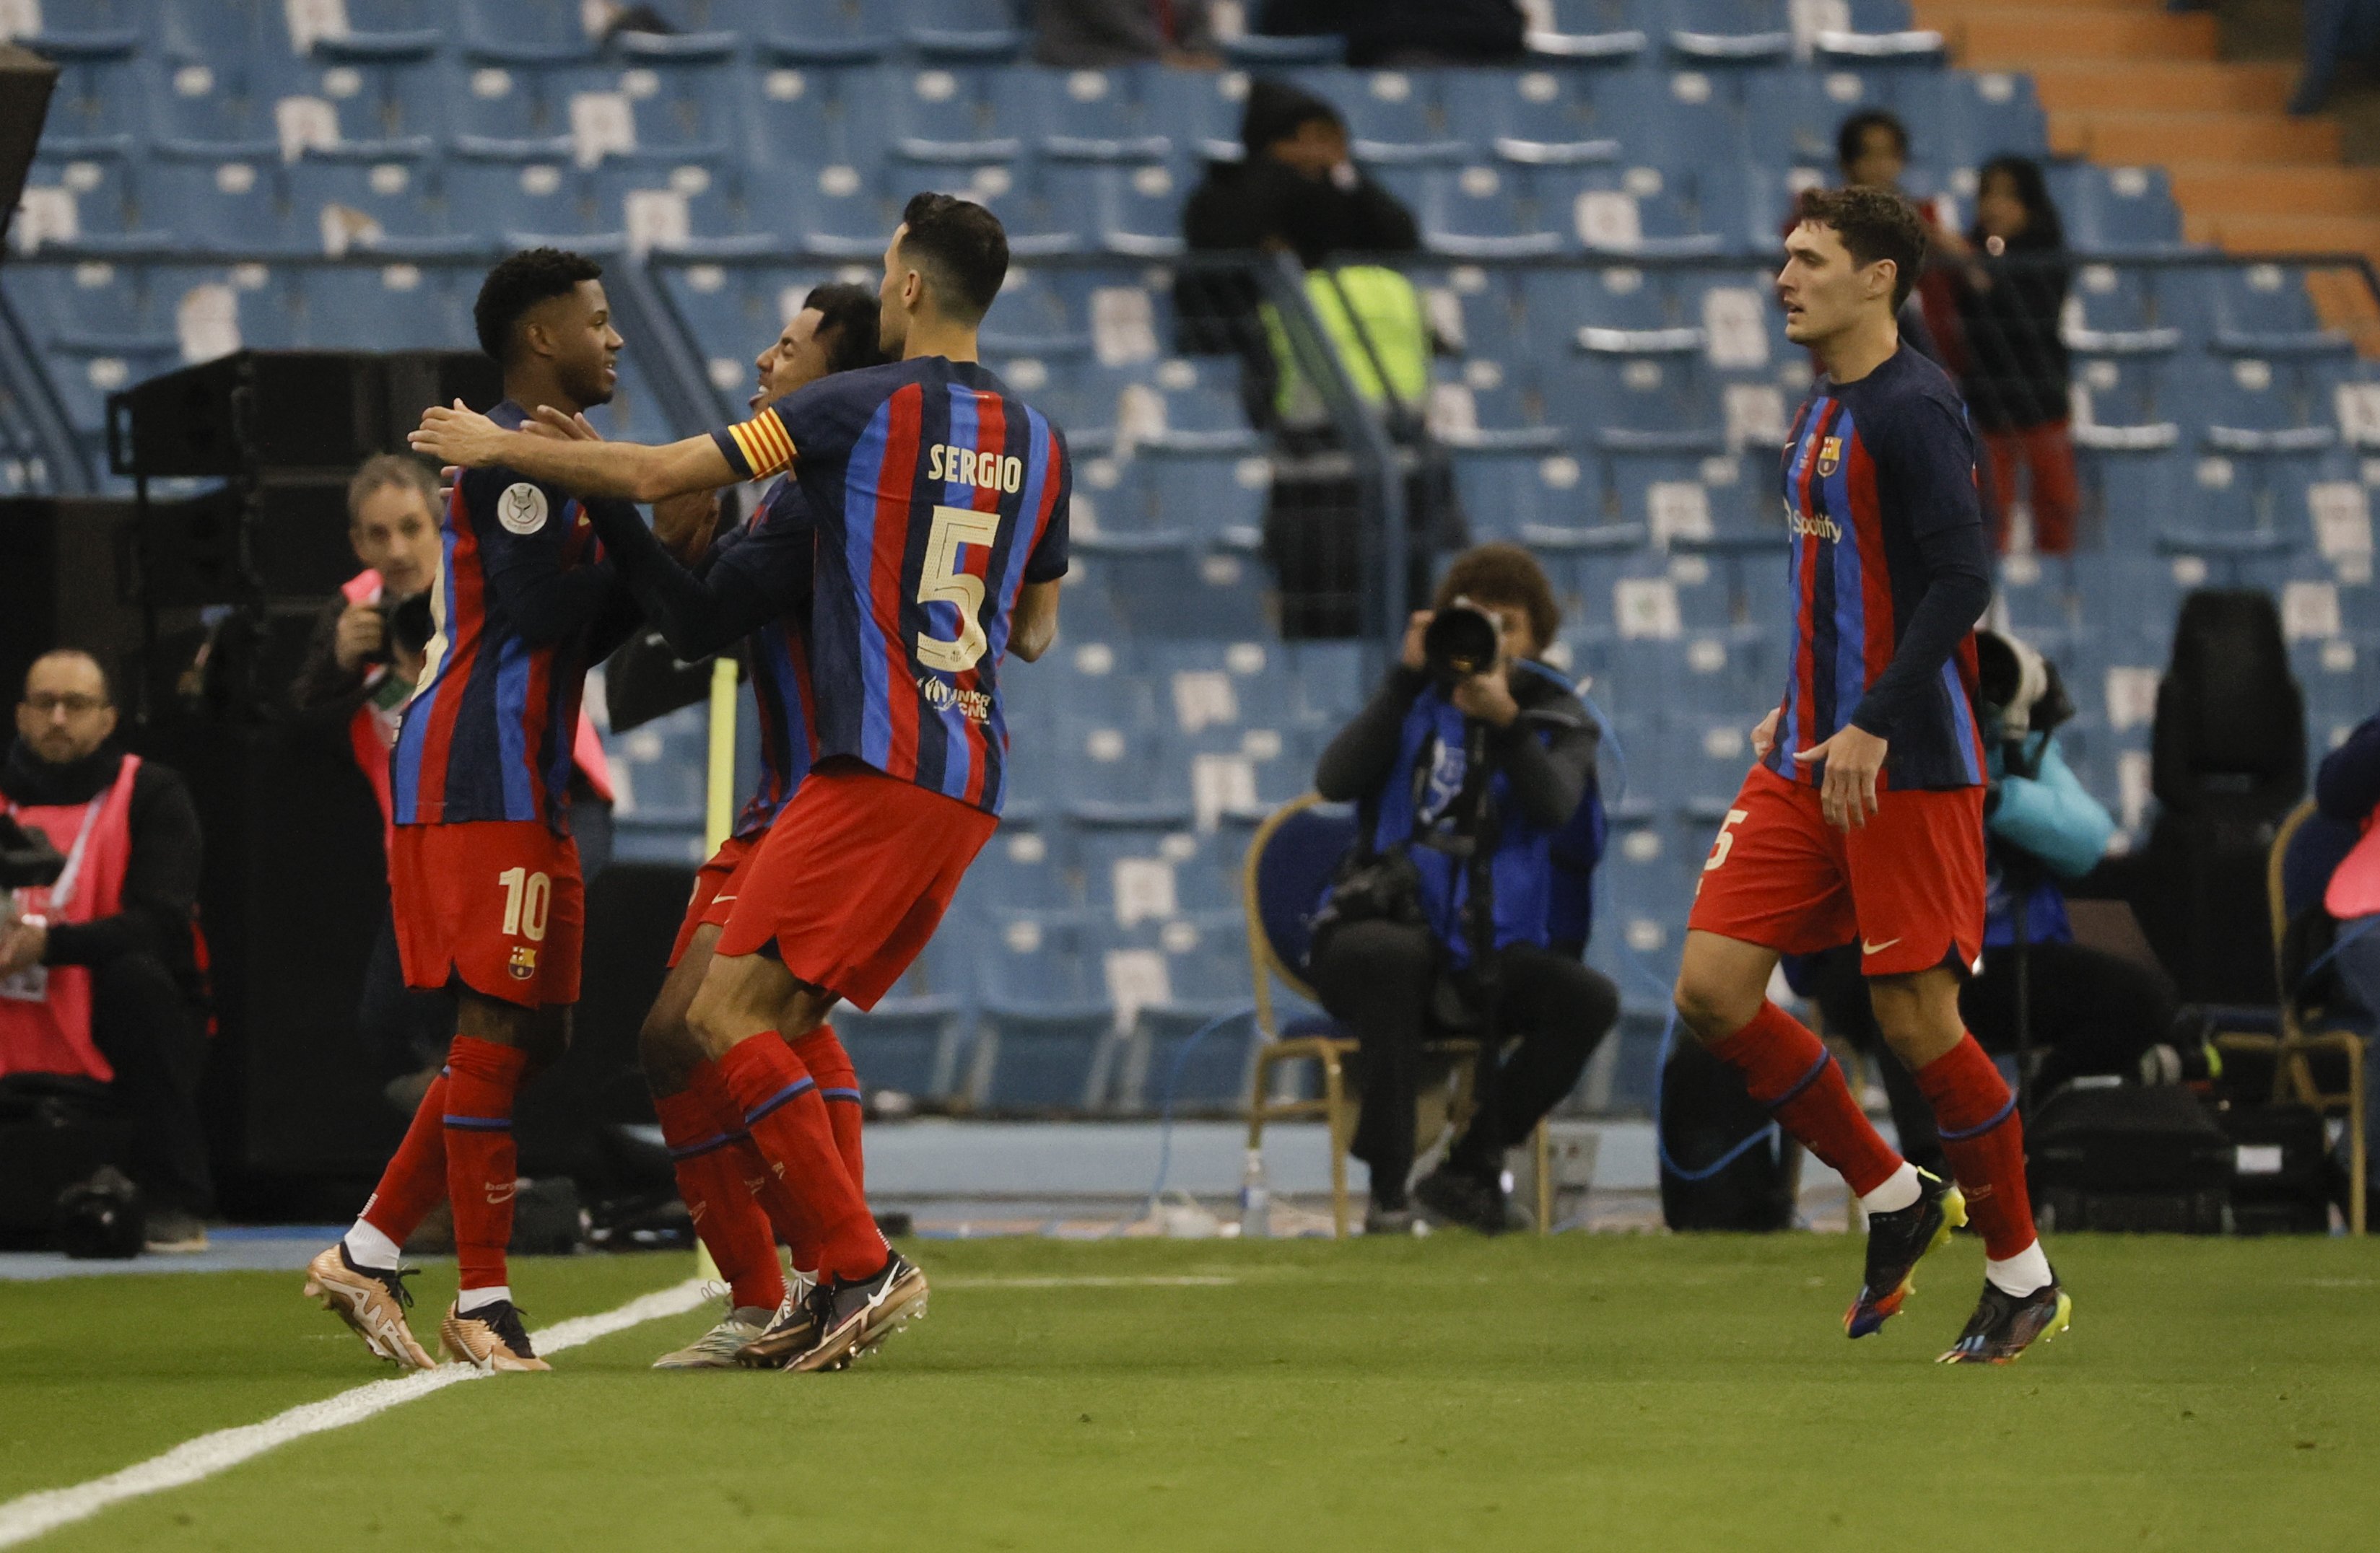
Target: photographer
<point x="2091" y="1012"/>
<point x="99" y="970"/>
<point x="1472" y="771"/>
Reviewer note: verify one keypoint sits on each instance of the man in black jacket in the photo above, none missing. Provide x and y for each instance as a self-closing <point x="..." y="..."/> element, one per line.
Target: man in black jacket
<point x="1501" y="761"/>
<point x="102" y="963"/>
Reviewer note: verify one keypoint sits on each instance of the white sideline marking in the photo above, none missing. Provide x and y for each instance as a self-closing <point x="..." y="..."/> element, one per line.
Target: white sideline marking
<point x="29" y="1515"/>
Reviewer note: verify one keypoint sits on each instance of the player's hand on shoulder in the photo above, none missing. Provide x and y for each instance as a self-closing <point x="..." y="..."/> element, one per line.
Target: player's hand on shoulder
<point x="459" y="435"/>
<point x="547" y="421"/>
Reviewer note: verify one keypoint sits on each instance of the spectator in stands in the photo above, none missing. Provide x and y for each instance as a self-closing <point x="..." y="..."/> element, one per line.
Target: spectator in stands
<point x="99" y="972"/>
<point x="2011" y="277"/>
<point x="1872" y="149"/>
<point x="2092" y="1011"/>
<point x="1296" y="189"/>
<point x="1447" y="755"/>
<point x="2347" y="788"/>
<point x="1397" y="34"/>
<point x="358" y="670"/>
<point x="1097" y="34"/>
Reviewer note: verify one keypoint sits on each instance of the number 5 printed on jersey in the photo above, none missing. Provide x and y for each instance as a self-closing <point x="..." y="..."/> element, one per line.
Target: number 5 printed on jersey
<point x="942" y="582"/>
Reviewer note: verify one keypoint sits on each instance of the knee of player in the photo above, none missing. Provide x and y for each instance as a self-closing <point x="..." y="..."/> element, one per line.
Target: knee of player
<point x="667" y="1054"/>
<point x="1710" y="1005"/>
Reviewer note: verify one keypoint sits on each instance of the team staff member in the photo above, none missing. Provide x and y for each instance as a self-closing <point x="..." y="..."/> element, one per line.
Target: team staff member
<point x="1864" y="816"/>
<point x="940" y="501"/>
<point x="98" y="971"/>
<point x="483" y="876"/>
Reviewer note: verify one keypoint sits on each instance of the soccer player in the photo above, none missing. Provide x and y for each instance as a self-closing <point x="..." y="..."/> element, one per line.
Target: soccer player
<point x="484" y="875"/>
<point x="1864" y="816"/>
<point x="941" y="508"/>
<point x="754" y="583"/>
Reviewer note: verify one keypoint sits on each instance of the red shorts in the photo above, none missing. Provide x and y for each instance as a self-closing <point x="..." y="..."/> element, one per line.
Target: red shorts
<point x="853" y="878"/>
<point x="496" y="903"/>
<point x="715" y="889"/>
<point x="1908" y="885"/>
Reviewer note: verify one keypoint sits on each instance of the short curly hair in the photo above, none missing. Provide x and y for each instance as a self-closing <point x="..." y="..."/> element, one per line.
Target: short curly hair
<point x="1873" y="224"/>
<point x="520" y="283"/>
<point x="1503" y="573"/>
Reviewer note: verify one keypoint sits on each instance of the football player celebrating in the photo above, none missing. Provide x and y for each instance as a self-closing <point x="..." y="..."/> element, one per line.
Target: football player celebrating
<point x="940" y="501"/>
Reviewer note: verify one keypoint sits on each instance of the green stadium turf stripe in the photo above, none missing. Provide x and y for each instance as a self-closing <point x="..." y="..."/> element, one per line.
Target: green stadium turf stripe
<point x="31" y="1515"/>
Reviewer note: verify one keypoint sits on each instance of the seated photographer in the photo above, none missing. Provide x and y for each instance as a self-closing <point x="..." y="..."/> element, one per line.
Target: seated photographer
<point x="1472" y="771"/>
<point x="359" y="669"/>
<point x="2092" y="1011"/>
<point x="99" y="969"/>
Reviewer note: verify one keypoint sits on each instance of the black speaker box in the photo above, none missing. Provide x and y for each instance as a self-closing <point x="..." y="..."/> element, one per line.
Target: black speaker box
<point x="298" y="546"/>
<point x="59" y="584"/>
<point x="253" y="409"/>
<point x="418" y="378"/>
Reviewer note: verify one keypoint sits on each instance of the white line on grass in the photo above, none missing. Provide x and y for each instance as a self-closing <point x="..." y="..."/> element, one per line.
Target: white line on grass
<point x="28" y="1516"/>
<point x="1184" y="1282"/>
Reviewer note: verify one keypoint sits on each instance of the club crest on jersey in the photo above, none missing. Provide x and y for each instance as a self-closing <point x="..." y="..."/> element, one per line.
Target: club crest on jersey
<point x="521" y="509"/>
<point x="1830" y="456"/>
<point x="524" y="963"/>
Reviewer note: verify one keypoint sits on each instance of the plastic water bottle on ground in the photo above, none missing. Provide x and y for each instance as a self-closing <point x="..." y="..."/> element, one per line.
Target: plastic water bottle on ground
<point x="1255" y="1199"/>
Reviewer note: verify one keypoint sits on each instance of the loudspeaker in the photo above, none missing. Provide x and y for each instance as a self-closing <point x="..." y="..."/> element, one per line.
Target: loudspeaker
<point x="253" y="409"/>
<point x="58" y="584"/>
<point x="418" y="378"/>
<point x="190" y="552"/>
<point x="26" y="79"/>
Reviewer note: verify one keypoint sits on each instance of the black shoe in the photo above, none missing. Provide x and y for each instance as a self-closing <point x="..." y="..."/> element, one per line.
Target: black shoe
<point x="2004" y="1325"/>
<point x="1895" y="1242"/>
<point x="854" y="1318"/>
<point x="1398" y="1220"/>
<point x="1450" y="1195"/>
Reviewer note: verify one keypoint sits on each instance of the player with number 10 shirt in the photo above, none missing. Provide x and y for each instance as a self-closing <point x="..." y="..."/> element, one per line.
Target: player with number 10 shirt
<point x="941" y="503"/>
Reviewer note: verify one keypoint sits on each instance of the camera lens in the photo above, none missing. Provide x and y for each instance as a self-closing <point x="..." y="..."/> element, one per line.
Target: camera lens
<point x="1459" y="641"/>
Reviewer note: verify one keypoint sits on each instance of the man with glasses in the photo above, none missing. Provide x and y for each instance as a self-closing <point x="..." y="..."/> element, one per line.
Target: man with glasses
<point x="99" y="971"/>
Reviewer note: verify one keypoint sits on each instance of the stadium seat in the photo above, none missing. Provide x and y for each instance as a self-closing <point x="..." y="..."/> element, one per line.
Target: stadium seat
<point x="1047" y="1039"/>
<point x="525" y="32"/>
<point x="386" y="307"/>
<point x="1730" y="31"/>
<point x="1176" y="983"/>
<point x="962" y="28"/>
<point x="387" y="205"/>
<point x="1392" y="116"/>
<point x="1096" y="116"/>
<point x="226" y="204"/>
<point x="384" y="106"/>
<point x="511" y="201"/>
<point x="817" y="31"/>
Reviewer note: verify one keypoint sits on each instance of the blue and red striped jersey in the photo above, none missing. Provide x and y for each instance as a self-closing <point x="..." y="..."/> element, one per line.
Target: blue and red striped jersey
<point x="937" y="495"/>
<point x="775" y="548"/>
<point x="489" y="732"/>
<point x="1875" y="472"/>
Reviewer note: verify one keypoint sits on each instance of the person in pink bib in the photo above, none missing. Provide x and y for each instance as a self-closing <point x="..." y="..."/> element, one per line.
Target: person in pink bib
<point x="100" y="970"/>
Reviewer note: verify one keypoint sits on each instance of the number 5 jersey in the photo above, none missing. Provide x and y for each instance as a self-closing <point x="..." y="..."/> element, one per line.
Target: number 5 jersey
<point x="937" y="495"/>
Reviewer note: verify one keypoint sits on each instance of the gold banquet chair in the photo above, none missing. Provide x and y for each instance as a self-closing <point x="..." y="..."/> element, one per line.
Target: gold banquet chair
<point x="2306" y="848"/>
<point x="1289" y="860"/>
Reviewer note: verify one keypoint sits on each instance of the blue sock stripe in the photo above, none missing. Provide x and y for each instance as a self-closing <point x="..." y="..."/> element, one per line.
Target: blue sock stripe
<point x="1997" y="1117"/>
<point x="700" y="1147"/>
<point x="850" y="1095"/>
<point x="1803" y="1082"/>
<point x="481" y="1124"/>
<point x="792" y="1091"/>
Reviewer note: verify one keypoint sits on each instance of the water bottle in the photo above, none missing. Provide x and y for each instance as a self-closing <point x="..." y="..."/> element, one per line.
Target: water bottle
<point x="1255" y="1199"/>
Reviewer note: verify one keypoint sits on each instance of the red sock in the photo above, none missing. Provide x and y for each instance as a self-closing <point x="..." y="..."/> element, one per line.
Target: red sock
<point x="786" y="1216"/>
<point x="416" y="1177"/>
<point x="481" y="1165"/>
<point x="712" y="1180"/>
<point x="838" y="1083"/>
<point x="788" y="1121"/>
<point x="1983" y="1139"/>
<point x="1789" y="1070"/>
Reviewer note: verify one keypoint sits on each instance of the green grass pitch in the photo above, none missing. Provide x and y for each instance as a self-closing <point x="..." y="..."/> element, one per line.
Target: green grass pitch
<point x="1581" y="1392"/>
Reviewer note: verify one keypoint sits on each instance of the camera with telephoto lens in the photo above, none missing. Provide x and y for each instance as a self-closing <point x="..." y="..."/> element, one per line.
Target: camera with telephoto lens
<point x="405" y="627"/>
<point x="1461" y="640"/>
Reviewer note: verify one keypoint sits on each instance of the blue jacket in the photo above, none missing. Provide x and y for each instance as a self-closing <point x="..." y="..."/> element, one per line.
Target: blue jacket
<point x="2051" y="818"/>
<point x="1404" y="761"/>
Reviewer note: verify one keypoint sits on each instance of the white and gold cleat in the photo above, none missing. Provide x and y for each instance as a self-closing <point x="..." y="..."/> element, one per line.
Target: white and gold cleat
<point x="371" y="1301"/>
<point x="491" y="1338"/>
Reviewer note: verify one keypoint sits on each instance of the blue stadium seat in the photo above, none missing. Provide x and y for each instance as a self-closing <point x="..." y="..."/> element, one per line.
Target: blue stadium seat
<point x="2115" y="208"/>
<point x="1508" y="493"/>
<point x="956" y="114"/>
<point x="386" y="307"/>
<point x="1028" y="867"/>
<point x="635" y="413"/>
<point x="835" y="113"/>
<point x="1631" y="209"/>
<point x="1793" y="111"/>
<point x="1730" y="31"/>
<point x="509" y="200"/>
<point x="1607" y="30"/>
<point x="817" y="31"/>
<point x="1218" y="497"/>
<point x="686" y="207"/>
<point x="1484" y="212"/>
<point x="1047" y="1041"/>
<point x="388" y="205"/>
<point x="96" y="104"/>
<point x="2256" y="309"/>
<point x="510" y="109"/>
<point x="379" y="30"/>
<point x="85" y="29"/>
<point x="1959" y="119"/>
<point x="89" y="203"/>
<point x="221" y="107"/>
<point x="1039" y="312"/>
<point x="1096" y="116"/>
<point x="962" y="28"/>
<point x="1706" y="764"/>
<point x="1392" y="116"/>
<point x="525" y="32"/>
<point x="1134" y="873"/>
<point x="226" y="204"/>
<point x="1632" y="396"/>
<point x="392" y="106"/>
<point x="1200" y="967"/>
<point x="1133" y="210"/>
<point x="1201" y="110"/>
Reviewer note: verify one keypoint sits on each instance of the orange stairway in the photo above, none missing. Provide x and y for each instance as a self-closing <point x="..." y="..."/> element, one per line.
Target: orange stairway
<point x="2127" y="82"/>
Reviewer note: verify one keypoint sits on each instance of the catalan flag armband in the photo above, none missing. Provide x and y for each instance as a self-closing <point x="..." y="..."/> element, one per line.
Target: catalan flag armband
<point x="759" y="447"/>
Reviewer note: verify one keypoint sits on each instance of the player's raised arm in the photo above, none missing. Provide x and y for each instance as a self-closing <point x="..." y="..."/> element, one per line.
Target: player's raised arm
<point x="632" y="471"/>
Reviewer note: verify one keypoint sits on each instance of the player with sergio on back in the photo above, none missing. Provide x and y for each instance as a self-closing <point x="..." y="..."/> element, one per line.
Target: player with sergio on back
<point x="940" y="501"/>
<point x="1864" y="816"/>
